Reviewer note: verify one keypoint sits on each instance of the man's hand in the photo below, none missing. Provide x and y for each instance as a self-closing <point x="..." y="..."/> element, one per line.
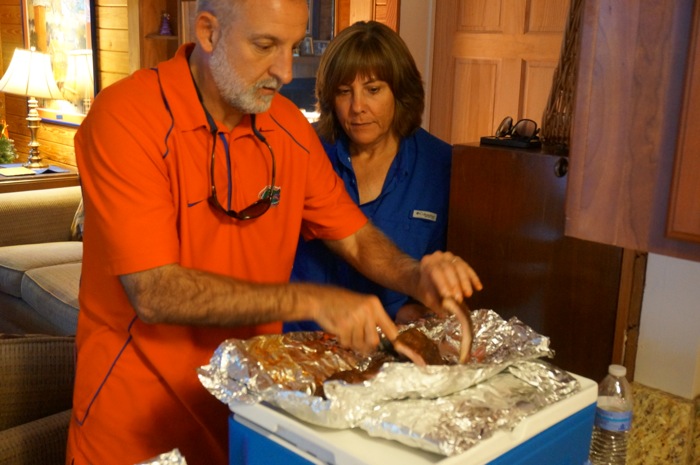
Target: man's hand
<point x="442" y="275"/>
<point x="352" y="317"/>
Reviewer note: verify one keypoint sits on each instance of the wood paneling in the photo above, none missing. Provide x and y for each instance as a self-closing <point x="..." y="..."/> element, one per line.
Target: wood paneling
<point x="524" y="38"/>
<point x="113" y="40"/>
<point x="112" y="17"/>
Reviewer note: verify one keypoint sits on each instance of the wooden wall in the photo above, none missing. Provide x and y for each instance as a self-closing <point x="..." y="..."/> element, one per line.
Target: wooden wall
<point x="113" y="64"/>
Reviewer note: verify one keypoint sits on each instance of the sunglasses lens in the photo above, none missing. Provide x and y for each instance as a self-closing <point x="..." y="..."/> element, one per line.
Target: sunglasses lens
<point x="525" y="128"/>
<point x="255" y="210"/>
<point x="504" y="127"/>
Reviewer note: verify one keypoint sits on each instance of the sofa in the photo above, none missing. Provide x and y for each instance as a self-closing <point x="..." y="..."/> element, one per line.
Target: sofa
<point x="40" y="259"/>
<point x="40" y="255"/>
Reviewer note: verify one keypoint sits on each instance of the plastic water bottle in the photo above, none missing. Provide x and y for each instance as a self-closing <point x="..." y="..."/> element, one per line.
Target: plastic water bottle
<point x="613" y="419"/>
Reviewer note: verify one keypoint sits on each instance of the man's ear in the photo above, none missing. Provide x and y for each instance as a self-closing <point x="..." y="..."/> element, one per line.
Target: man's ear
<point x="207" y="30"/>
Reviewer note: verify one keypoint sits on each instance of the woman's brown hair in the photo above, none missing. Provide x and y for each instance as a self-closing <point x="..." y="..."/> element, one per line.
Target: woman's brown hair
<point x="369" y="49"/>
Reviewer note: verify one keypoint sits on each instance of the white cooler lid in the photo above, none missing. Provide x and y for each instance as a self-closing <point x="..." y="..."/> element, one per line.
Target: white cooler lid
<point x="356" y="447"/>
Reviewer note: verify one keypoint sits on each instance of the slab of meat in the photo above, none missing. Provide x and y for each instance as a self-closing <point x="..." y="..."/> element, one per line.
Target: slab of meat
<point x="412" y="339"/>
<point x="421" y="345"/>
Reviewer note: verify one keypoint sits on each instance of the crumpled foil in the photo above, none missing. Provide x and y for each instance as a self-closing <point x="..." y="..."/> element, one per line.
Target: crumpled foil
<point x="169" y="458"/>
<point x="439" y="408"/>
<point x="453" y="424"/>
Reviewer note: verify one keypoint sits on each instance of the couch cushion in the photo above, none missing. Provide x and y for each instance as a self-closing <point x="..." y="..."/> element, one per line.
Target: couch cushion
<point x="15" y="260"/>
<point x="41" y="441"/>
<point x="33" y="217"/>
<point x="52" y="292"/>
<point x="37" y="374"/>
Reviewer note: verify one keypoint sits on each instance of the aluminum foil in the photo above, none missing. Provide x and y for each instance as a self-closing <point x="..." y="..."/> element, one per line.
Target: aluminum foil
<point x="453" y="424"/>
<point x="503" y="382"/>
<point x="169" y="458"/>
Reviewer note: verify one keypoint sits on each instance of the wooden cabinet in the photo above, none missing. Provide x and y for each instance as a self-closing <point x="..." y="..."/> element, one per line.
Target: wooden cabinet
<point x="684" y="215"/>
<point x="625" y="129"/>
<point x="507" y="220"/>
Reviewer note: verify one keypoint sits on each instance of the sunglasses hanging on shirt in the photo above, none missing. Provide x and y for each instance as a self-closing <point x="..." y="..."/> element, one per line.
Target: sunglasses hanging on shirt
<point x="522" y="134"/>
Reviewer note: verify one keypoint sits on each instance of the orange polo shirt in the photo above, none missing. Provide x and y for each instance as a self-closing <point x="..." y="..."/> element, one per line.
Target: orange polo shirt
<point x="144" y="154"/>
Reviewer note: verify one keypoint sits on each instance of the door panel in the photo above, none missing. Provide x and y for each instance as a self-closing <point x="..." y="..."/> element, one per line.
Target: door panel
<point x="478" y="79"/>
<point x="492" y="59"/>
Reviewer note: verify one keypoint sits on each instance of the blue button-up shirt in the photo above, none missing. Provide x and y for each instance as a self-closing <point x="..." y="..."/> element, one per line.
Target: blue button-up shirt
<point x="411" y="210"/>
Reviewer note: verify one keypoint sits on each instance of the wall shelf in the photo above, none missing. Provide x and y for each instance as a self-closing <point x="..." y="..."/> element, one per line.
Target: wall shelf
<point x="157" y="36"/>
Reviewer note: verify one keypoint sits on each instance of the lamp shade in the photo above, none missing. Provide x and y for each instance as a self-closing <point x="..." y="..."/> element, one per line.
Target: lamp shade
<point x="30" y="74"/>
<point x="79" y="75"/>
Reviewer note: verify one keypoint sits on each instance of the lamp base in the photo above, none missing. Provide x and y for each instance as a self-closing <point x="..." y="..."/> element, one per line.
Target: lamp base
<point x="34" y="164"/>
<point x="33" y="119"/>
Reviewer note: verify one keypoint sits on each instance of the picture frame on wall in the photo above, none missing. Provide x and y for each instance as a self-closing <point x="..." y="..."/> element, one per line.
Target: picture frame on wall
<point x="65" y="31"/>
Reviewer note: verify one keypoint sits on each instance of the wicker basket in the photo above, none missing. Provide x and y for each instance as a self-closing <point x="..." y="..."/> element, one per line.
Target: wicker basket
<point x="556" y="120"/>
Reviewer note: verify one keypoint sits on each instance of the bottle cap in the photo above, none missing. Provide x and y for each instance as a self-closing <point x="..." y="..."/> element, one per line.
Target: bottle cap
<point x="617" y="370"/>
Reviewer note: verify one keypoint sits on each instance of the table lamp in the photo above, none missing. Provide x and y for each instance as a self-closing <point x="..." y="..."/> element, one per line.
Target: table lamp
<point x="30" y="75"/>
<point x="79" y="82"/>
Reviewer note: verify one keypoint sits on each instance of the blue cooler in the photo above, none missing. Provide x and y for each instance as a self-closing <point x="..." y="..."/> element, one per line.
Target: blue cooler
<point x="559" y="434"/>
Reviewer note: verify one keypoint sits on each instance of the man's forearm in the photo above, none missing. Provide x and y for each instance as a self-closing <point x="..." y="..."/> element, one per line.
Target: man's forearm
<point x="172" y="294"/>
<point x="176" y="295"/>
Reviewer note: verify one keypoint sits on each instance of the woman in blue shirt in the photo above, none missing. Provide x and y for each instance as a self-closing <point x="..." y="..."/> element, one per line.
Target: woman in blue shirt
<point x="371" y="99"/>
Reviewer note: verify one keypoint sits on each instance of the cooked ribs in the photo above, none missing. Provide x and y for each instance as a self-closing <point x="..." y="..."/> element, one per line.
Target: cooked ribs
<point x="412" y="338"/>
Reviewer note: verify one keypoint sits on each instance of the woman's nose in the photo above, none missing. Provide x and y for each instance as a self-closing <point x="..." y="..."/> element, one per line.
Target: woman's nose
<point x="356" y="103"/>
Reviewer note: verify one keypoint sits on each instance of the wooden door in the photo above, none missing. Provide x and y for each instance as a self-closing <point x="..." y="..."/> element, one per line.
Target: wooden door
<point x="492" y="59"/>
<point x="348" y="12"/>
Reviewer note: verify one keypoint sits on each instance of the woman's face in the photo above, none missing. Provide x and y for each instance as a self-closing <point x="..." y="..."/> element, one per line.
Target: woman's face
<point x="365" y="110"/>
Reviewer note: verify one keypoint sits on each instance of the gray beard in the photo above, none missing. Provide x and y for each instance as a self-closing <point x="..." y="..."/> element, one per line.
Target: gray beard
<point x="232" y="87"/>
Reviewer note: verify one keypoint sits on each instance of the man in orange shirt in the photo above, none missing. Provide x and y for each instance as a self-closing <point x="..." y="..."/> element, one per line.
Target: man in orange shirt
<point x="198" y="179"/>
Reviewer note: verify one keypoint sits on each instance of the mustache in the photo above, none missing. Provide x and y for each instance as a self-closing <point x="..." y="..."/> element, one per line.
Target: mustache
<point x="268" y="83"/>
